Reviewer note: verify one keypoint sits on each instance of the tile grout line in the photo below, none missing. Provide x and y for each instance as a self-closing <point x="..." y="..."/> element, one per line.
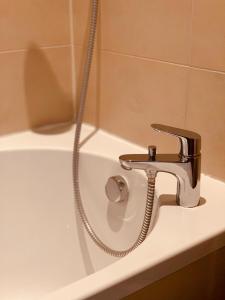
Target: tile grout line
<point x="191" y="34"/>
<point x="162" y="61"/>
<point x="26" y="49"/>
<point x="187" y="96"/>
<point x="145" y="58"/>
<point x="72" y="47"/>
<point x="113" y="52"/>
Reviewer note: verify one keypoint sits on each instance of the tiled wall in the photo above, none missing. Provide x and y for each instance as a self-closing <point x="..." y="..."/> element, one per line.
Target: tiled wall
<point x="161" y="61"/>
<point x="35" y="60"/>
<point x="155" y="61"/>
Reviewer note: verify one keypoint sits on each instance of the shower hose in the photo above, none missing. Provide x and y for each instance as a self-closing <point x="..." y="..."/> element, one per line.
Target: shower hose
<point x="76" y="154"/>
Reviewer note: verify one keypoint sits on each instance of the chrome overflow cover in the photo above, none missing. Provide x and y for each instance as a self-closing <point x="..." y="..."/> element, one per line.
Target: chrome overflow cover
<point x="116" y="189"/>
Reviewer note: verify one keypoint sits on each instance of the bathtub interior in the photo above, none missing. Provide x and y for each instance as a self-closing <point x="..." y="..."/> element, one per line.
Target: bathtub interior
<point x="43" y="243"/>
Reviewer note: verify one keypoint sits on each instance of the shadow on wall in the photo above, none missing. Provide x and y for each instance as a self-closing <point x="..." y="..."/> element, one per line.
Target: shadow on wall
<point x="49" y="109"/>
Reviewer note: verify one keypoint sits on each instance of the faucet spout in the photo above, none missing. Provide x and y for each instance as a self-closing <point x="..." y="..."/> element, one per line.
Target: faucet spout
<point x="134" y="161"/>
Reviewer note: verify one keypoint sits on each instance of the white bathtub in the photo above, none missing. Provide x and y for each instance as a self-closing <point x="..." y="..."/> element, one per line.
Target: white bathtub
<point x="45" y="252"/>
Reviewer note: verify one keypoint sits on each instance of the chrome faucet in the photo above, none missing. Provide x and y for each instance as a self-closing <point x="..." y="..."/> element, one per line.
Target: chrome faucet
<point x="185" y="166"/>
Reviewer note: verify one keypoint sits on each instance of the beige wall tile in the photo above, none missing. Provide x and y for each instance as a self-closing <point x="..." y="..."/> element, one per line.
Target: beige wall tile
<point x="156" y="29"/>
<point x="24" y="22"/>
<point x="208" y="44"/>
<point x="136" y="92"/>
<point x="81" y="13"/>
<point x="35" y="88"/>
<point x="92" y="102"/>
<point x="206" y="115"/>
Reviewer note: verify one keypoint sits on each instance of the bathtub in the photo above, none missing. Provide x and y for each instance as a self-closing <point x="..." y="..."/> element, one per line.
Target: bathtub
<point x="45" y="251"/>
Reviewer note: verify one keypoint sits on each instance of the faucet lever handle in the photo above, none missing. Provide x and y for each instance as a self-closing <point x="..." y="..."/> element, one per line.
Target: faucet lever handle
<point x="190" y="141"/>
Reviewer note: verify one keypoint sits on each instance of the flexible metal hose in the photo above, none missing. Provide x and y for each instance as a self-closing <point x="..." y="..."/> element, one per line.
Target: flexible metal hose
<point x="76" y="154"/>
